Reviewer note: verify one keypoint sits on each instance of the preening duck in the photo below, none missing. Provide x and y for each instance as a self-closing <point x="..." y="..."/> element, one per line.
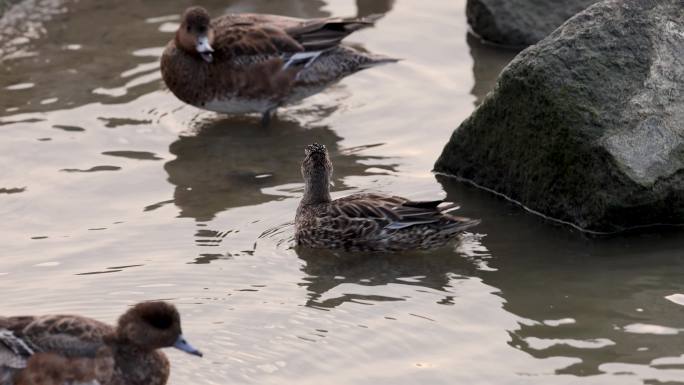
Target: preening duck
<point x="255" y="63"/>
<point x="368" y="222"/>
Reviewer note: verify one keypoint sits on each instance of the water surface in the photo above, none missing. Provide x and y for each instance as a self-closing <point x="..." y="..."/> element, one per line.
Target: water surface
<point x="113" y="192"/>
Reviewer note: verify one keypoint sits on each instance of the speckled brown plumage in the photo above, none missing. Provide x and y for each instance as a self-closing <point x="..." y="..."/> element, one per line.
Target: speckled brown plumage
<point x="54" y="369"/>
<point x="368" y="222"/>
<point x="250" y="52"/>
<point x="89" y="350"/>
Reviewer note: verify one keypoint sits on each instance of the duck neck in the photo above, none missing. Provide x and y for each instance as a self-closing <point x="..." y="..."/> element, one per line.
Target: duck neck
<point x="317" y="191"/>
<point x="177" y="39"/>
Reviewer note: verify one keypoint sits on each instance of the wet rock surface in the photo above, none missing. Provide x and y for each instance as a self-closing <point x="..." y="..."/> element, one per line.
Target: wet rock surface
<point x="520" y="22"/>
<point x="588" y="125"/>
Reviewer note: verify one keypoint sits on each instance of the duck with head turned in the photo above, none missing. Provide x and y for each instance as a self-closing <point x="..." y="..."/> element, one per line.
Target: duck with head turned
<point x="255" y="63"/>
<point x="89" y="350"/>
<point x="368" y="222"/>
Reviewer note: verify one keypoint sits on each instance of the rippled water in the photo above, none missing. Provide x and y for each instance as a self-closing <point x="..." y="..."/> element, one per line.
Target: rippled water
<point x="113" y="192"/>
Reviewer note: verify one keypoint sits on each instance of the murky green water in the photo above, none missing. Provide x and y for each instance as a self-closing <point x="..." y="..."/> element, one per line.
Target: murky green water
<point x="113" y="192"/>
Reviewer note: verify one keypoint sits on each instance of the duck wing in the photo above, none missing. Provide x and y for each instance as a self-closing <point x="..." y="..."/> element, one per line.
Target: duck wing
<point x="252" y="34"/>
<point x="321" y="34"/>
<point x="396" y="213"/>
<point x="14" y="352"/>
<point x="70" y="336"/>
<point x="247" y="36"/>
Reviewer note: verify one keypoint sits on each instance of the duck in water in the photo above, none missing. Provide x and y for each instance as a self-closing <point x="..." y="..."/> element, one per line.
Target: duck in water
<point x="368" y="222"/>
<point x="255" y="63"/>
<point x="70" y="349"/>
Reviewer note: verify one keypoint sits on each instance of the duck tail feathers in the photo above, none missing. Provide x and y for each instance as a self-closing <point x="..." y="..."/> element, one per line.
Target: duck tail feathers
<point x="448" y="207"/>
<point x="376" y="60"/>
<point x="353" y="24"/>
<point x="461" y="224"/>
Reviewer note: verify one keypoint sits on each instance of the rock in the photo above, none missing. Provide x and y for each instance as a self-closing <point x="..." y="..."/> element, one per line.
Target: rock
<point x="520" y="22"/>
<point x="588" y="125"/>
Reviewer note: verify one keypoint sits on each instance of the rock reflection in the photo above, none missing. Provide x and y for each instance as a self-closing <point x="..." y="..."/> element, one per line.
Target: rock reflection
<point x="228" y="163"/>
<point x="572" y="287"/>
<point x="372" y="7"/>
<point x="488" y="62"/>
<point x="434" y="270"/>
<point x="295" y="8"/>
<point x="307" y="8"/>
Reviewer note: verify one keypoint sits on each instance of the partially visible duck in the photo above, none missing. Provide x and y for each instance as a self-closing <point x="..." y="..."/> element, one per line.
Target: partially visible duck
<point x="246" y="63"/>
<point x="30" y="347"/>
<point x="368" y="222"/>
<point x="54" y="369"/>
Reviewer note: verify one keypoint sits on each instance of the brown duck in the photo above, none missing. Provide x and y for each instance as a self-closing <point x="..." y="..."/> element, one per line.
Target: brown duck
<point x="54" y="369"/>
<point x="33" y="349"/>
<point x="247" y="63"/>
<point x="368" y="222"/>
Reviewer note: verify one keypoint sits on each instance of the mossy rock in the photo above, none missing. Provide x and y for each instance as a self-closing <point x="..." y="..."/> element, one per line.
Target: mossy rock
<point x="587" y="126"/>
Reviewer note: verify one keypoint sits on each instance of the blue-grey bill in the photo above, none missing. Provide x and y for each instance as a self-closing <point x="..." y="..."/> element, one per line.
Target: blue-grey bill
<point x="182" y="344"/>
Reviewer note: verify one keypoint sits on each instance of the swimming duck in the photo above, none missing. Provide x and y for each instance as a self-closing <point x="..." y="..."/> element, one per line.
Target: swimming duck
<point x="54" y="369"/>
<point x="368" y="222"/>
<point x="30" y="346"/>
<point x="255" y="63"/>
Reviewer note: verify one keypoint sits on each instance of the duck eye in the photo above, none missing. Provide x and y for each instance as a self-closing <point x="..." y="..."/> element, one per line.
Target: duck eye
<point x="159" y="321"/>
<point x="188" y="29"/>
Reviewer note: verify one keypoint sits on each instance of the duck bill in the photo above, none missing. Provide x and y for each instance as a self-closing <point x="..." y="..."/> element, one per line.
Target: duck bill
<point x="204" y="48"/>
<point x="182" y="344"/>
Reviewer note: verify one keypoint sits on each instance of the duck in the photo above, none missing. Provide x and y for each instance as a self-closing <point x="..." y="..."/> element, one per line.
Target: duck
<point x="54" y="369"/>
<point x="90" y="351"/>
<point x="368" y="222"/>
<point x="255" y="63"/>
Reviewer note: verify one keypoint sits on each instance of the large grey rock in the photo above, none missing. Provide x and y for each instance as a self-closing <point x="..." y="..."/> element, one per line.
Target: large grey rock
<point x="520" y="22"/>
<point x="588" y="125"/>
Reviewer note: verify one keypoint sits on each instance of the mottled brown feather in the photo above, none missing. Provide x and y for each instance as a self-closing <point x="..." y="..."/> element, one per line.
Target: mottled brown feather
<point x="368" y="222"/>
<point x="54" y="369"/>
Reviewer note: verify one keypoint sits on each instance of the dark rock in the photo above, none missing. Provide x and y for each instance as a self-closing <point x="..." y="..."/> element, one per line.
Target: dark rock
<point x="588" y="125"/>
<point x="520" y="22"/>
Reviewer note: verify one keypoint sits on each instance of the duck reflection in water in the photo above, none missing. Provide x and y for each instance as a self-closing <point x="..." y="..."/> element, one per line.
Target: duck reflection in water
<point x="325" y="270"/>
<point x="373" y="7"/>
<point x="229" y="163"/>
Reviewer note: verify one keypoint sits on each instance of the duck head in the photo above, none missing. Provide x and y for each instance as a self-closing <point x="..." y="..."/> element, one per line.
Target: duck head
<point x="153" y="325"/>
<point x="317" y="170"/>
<point x="195" y="34"/>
